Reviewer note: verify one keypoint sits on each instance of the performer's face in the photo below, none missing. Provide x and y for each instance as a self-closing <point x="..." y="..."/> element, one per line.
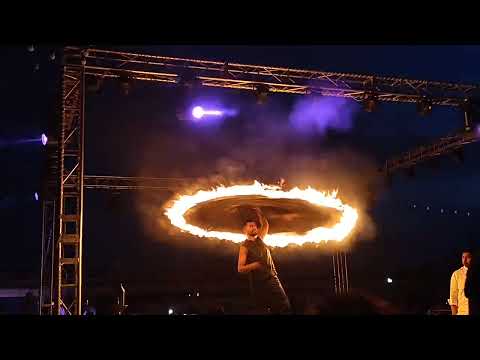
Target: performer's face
<point x="466" y="259"/>
<point x="250" y="228"/>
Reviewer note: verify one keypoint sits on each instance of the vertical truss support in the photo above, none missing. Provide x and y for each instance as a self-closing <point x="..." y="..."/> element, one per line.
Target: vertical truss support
<point x="69" y="215"/>
<point x="46" y="271"/>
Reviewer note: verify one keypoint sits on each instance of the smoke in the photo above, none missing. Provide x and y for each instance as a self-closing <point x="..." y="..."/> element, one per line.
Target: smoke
<point x="271" y="145"/>
<point x="312" y="115"/>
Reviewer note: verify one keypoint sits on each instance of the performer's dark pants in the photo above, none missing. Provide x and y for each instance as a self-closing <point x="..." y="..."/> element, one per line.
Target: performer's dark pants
<point x="270" y="298"/>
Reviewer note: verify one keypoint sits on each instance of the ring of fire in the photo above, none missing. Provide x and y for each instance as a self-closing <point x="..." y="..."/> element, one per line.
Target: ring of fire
<point x="338" y="232"/>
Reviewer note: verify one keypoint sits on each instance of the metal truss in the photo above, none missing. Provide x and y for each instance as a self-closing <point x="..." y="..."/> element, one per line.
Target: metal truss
<point x="133" y="183"/>
<point x="423" y="153"/>
<point x="70" y="172"/>
<point x="116" y="64"/>
<point x="46" y="298"/>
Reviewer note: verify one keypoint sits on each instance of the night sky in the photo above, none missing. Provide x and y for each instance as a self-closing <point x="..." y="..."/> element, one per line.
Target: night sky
<point x="141" y="135"/>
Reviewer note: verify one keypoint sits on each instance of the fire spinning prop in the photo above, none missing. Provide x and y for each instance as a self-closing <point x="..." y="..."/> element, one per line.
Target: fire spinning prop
<point x="338" y="232"/>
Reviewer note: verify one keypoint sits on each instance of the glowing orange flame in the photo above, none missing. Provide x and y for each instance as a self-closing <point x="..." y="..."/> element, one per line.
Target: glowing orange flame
<point x="338" y="232"/>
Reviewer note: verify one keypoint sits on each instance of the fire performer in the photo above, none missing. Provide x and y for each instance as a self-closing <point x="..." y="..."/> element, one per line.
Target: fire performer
<point x="254" y="258"/>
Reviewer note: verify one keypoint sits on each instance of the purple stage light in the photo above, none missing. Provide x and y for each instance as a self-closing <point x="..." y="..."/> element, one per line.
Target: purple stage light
<point x="44" y="139"/>
<point x="199" y="112"/>
<point x="36" y="196"/>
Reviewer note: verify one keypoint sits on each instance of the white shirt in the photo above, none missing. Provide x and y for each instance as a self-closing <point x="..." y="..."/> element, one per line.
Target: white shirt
<point x="457" y="294"/>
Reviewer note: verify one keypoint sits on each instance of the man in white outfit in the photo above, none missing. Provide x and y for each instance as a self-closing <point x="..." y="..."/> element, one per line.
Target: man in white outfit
<point x="458" y="302"/>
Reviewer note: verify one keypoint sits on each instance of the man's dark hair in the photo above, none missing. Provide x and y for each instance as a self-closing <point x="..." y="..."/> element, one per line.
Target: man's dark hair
<point x="468" y="250"/>
<point x="250" y="220"/>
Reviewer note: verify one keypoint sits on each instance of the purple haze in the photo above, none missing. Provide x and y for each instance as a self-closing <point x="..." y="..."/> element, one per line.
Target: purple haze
<point x="319" y="114"/>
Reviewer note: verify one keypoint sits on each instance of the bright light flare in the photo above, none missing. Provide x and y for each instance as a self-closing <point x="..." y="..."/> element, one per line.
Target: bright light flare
<point x="44" y="139"/>
<point x="199" y="112"/>
<point x="338" y="232"/>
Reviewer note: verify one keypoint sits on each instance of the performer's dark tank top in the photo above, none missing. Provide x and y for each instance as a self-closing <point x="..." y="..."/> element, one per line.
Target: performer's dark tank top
<point x="258" y="251"/>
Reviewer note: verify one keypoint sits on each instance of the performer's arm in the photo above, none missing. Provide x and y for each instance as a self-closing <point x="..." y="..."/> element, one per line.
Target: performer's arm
<point x="242" y="262"/>
<point x="264" y="225"/>
<point x="454" y="294"/>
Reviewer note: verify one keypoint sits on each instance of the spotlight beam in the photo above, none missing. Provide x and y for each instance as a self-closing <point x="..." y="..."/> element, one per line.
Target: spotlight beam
<point x="212" y="112"/>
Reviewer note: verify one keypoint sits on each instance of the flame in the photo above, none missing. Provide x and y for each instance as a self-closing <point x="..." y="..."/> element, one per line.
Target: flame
<point x="338" y="232"/>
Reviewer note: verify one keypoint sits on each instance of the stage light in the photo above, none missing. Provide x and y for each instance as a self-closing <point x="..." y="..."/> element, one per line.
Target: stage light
<point x="44" y="139"/>
<point x="170" y="311"/>
<point x="31" y="48"/>
<point x="126" y="83"/>
<point x="198" y="294"/>
<point x="188" y="79"/>
<point x="36" y="196"/>
<point x="389" y="280"/>
<point x="94" y="85"/>
<point x="370" y="102"/>
<point x="424" y="107"/>
<point x="199" y="112"/>
<point x="262" y="93"/>
<point x="468" y="114"/>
